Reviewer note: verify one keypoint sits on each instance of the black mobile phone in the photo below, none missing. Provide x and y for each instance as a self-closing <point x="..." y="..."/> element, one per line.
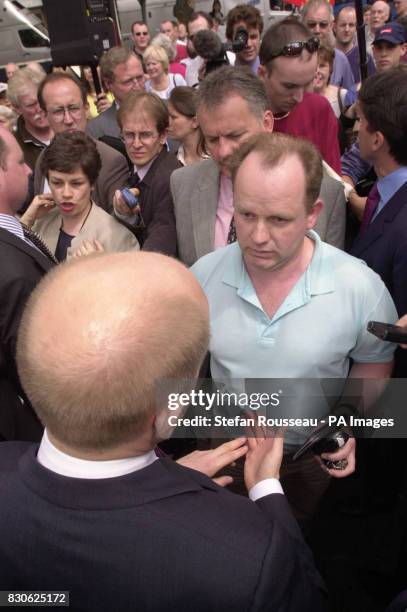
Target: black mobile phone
<point x="385" y="331"/>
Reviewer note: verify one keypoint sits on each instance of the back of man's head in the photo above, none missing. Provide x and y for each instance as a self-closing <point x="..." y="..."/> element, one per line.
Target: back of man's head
<point x="218" y="86"/>
<point x="383" y="101"/>
<point x="96" y="338"/>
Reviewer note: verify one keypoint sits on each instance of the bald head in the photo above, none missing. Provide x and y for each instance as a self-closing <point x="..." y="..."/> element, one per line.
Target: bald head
<point x="97" y="337"/>
<point x="379" y="14"/>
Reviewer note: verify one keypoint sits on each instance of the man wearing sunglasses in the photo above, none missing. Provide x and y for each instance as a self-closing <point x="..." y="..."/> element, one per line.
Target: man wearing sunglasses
<point x="317" y="15"/>
<point x="288" y="62"/>
<point x="140" y="37"/>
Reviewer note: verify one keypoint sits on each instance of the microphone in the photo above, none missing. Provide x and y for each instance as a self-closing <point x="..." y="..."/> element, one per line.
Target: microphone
<point x="208" y="44"/>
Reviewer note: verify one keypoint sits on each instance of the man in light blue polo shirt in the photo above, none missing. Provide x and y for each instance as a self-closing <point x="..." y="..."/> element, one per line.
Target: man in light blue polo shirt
<point x="284" y="304"/>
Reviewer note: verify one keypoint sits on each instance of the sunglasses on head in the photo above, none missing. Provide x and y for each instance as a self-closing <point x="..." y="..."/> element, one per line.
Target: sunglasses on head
<point x="294" y="49"/>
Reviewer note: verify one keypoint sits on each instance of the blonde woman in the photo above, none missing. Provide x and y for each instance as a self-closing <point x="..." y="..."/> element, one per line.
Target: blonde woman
<point x="160" y="81"/>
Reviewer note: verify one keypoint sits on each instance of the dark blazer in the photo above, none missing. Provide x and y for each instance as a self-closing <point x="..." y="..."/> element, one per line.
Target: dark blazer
<point x="112" y="176"/>
<point x="164" y="538"/>
<point x="157" y="207"/>
<point x="383" y="246"/>
<point x="21" y="268"/>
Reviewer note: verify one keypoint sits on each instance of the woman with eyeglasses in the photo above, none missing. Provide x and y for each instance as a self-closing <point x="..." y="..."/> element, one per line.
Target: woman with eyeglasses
<point x="161" y="82"/>
<point x="184" y="125"/>
<point x="321" y="85"/>
<point x="67" y="219"/>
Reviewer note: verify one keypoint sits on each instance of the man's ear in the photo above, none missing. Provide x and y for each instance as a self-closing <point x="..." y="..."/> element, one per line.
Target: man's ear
<point x="163" y="136"/>
<point x="314" y="214"/>
<point x="268" y="121"/>
<point x="261" y="72"/>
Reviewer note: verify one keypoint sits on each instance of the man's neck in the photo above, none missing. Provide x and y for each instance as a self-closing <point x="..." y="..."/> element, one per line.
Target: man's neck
<point x="385" y="165"/>
<point x="122" y="451"/>
<point x="344" y="47"/>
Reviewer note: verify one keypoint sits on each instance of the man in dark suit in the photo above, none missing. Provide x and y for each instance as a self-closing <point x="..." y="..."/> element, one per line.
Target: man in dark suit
<point x="22" y="266"/>
<point x="146" y="532"/>
<point x="382" y="241"/>
<point x="143" y="120"/>
<point x="64" y="101"/>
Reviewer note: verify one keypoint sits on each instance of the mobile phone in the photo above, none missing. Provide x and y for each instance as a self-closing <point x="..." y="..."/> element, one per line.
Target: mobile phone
<point x="128" y="196"/>
<point x="385" y="331"/>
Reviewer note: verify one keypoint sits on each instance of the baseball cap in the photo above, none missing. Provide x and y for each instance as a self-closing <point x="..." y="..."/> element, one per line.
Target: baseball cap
<point x="392" y="32"/>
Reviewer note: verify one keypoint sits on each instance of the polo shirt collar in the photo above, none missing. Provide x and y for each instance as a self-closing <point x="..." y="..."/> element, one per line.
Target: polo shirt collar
<point x="317" y="279"/>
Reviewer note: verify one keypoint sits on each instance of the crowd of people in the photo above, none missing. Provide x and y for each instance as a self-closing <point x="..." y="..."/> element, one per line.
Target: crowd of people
<point x="279" y="177"/>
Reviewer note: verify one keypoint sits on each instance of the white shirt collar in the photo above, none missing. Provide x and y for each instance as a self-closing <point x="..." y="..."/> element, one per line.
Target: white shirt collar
<point x="142" y="171"/>
<point x="55" y="460"/>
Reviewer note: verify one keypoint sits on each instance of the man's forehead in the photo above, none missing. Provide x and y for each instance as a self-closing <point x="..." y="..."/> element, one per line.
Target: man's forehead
<point x="197" y="25"/>
<point x="346" y="15"/>
<point x="61" y="88"/>
<point x="130" y="65"/>
<point x="319" y="12"/>
<point x="295" y="70"/>
<point x="138" y="119"/>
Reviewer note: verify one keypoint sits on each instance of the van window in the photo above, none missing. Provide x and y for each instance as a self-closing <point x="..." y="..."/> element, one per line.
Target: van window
<point x="30" y="39"/>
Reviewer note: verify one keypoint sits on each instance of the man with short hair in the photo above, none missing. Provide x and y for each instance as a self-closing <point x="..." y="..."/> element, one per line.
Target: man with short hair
<point x="389" y="46"/>
<point x="232" y="106"/>
<point x="11" y="69"/>
<point x="344" y="28"/>
<point x="382" y="241"/>
<point x="379" y="14"/>
<point x="143" y="119"/>
<point x="401" y="7"/>
<point x="22" y="266"/>
<point x="170" y="29"/>
<point x="288" y="58"/>
<point x="64" y="101"/>
<point x="198" y="21"/>
<point x="33" y="131"/>
<point x="96" y="467"/>
<point x="273" y="292"/>
<point x="250" y="19"/>
<point x="122" y="73"/>
<point x="317" y="15"/>
<point x="140" y="37"/>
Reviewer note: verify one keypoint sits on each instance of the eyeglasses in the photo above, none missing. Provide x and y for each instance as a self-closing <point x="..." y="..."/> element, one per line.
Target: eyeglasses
<point x="294" y="49"/>
<point x="75" y="110"/>
<point x="144" y="137"/>
<point x="322" y="24"/>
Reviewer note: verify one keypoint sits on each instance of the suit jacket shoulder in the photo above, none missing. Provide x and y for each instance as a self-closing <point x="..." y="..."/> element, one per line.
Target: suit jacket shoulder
<point x="104" y="124"/>
<point x="331" y="221"/>
<point x="195" y="191"/>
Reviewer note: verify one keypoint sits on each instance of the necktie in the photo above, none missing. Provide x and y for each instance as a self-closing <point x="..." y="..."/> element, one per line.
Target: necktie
<point x="372" y="202"/>
<point x="134" y="180"/>
<point x="232" y="232"/>
<point x="39" y="243"/>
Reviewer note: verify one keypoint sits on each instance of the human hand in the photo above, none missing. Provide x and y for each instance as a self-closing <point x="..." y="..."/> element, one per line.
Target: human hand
<point x="102" y="102"/>
<point x="347" y="452"/>
<point x="264" y="457"/>
<point x="403" y="323"/>
<point x="87" y="247"/>
<point x="40" y="206"/>
<point x="211" y="461"/>
<point x="121" y="207"/>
